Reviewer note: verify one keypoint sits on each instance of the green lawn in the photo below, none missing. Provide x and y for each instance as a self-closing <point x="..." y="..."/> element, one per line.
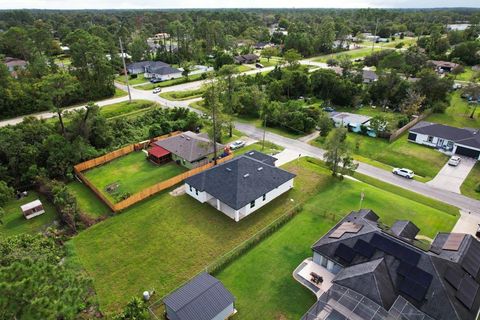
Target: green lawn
<point x="119" y="93"/>
<point x="131" y="81"/>
<point x="278" y="130"/>
<point x="165" y="240"/>
<point x="261" y="280"/>
<point x="270" y="148"/>
<point x="125" y="107"/>
<point x="15" y="223"/>
<point x="425" y="162"/>
<point x="472" y="181"/>
<point x="457" y="114"/>
<point x="243" y="68"/>
<point x="270" y="63"/>
<point x="151" y="86"/>
<point x="132" y="172"/>
<point x="352" y="54"/>
<point x="87" y="201"/>
<point x="183" y="95"/>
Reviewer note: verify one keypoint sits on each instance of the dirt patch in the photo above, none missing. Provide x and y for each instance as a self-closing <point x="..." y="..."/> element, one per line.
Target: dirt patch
<point x="178" y="191"/>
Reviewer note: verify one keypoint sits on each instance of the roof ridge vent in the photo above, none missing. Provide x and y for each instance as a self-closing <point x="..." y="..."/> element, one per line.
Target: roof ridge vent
<point x="246" y="175"/>
<point x="229" y="170"/>
<point x="251" y="153"/>
<point x="188" y="138"/>
<point x="260" y="169"/>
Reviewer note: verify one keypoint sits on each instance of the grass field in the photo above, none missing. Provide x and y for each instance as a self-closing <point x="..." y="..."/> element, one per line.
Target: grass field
<point x="151" y="86"/>
<point x="183" y="95"/>
<point x="133" y="173"/>
<point x="126" y="107"/>
<point x="425" y="162"/>
<point x="87" y="201"/>
<point x="131" y="81"/>
<point x="352" y="54"/>
<point x="243" y="68"/>
<point x="165" y="240"/>
<point x="467" y="75"/>
<point x="261" y="280"/>
<point x="457" y="114"/>
<point x="15" y="223"/>
<point x="270" y="148"/>
<point x="473" y="180"/>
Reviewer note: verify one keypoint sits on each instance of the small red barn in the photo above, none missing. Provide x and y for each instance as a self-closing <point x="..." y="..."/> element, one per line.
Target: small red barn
<point x="159" y="155"/>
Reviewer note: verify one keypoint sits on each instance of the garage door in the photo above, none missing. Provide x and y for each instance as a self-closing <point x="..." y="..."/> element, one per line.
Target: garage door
<point x="467" y="152"/>
<point x="412" y="136"/>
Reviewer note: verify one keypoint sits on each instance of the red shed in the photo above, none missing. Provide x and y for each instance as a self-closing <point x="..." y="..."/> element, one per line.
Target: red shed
<point x="159" y="155"/>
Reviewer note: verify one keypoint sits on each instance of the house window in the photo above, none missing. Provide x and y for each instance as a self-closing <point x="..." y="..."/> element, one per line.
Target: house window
<point x="264" y="197"/>
<point x="430" y="139"/>
<point x="196" y="192"/>
<point x="252" y="204"/>
<point x="191" y="188"/>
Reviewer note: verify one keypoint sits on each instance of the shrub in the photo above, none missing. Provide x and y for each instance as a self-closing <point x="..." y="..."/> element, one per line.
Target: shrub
<point x="477" y="188"/>
<point x="402" y="122"/>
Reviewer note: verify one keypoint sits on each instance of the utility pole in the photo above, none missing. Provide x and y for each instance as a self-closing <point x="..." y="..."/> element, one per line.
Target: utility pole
<point x="214" y="119"/>
<point x="125" y="69"/>
<point x="264" y="131"/>
<point x="375" y="36"/>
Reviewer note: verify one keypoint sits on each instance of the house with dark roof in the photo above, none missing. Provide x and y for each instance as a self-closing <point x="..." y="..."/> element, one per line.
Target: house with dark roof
<point x="246" y="58"/>
<point x="443" y="66"/>
<point x="154" y="70"/>
<point x="14" y="64"/>
<point x="240" y="186"/>
<point x="450" y="140"/>
<point x="202" y="298"/>
<point x="362" y="269"/>
<point x="188" y="149"/>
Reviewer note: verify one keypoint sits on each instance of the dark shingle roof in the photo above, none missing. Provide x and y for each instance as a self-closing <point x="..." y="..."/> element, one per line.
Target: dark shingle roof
<point x="467" y="137"/>
<point x="239" y="181"/>
<point x="202" y="298"/>
<point x="405" y="229"/>
<point x="162" y="70"/>
<point x="143" y="64"/>
<point x="189" y="146"/>
<point x="265" y="158"/>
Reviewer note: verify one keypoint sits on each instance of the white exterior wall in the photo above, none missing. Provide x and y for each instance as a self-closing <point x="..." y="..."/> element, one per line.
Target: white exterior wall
<point x="228" y="311"/>
<point x="246" y="210"/>
<point x="423" y="139"/>
<point x="163" y="77"/>
<point x="330" y="265"/>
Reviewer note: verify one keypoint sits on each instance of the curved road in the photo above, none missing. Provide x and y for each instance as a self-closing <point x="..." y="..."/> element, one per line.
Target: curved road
<point x="465" y="203"/>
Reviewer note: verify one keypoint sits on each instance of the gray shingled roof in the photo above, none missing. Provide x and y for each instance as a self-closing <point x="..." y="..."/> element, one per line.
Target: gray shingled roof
<point x="467" y="137"/>
<point x="202" y="298"/>
<point x="162" y="70"/>
<point x="405" y="229"/>
<point x="239" y="181"/>
<point x="189" y="146"/>
<point x="265" y="158"/>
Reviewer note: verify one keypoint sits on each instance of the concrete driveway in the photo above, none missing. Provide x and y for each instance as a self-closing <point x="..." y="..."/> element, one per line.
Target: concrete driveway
<point x="468" y="223"/>
<point x="451" y="178"/>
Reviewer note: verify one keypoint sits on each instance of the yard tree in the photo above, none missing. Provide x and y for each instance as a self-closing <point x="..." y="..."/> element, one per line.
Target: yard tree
<point x="473" y="90"/>
<point x="55" y="91"/>
<point x="434" y="88"/>
<point x="337" y="155"/>
<point x="324" y="124"/>
<point x="326" y="35"/>
<point x="412" y="103"/>
<point x="138" y="47"/>
<point x="269" y="52"/>
<point x="134" y="310"/>
<point x="292" y="57"/>
<point x="6" y="193"/>
<point x="458" y="70"/>
<point x="379" y="123"/>
<point x="187" y="68"/>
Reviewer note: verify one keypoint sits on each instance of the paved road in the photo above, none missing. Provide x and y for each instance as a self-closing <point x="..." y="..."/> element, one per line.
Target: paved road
<point x="465" y="203"/>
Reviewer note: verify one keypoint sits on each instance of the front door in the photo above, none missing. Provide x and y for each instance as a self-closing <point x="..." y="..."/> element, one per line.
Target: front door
<point x="440" y="142"/>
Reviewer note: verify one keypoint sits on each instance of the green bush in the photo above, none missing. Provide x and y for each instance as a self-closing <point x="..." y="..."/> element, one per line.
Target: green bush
<point x="477" y="188"/>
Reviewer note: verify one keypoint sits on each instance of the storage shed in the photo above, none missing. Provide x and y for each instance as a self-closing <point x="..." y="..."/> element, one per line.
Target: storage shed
<point x="32" y="209"/>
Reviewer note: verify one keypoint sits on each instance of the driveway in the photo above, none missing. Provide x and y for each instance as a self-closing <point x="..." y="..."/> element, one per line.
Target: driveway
<point x="468" y="223"/>
<point x="451" y="178"/>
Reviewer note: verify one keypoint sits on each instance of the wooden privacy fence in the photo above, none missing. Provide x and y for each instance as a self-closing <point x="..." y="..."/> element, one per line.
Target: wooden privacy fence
<point x="145" y="193"/>
<point x="394" y="136"/>
<point x="150" y="191"/>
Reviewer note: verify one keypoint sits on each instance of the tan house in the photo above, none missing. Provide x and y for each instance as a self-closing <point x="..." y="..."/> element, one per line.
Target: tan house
<point x="32" y="209"/>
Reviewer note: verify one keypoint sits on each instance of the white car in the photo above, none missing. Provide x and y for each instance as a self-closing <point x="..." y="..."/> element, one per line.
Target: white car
<point x="237" y="144"/>
<point x="407" y="173"/>
<point x="454" y="161"/>
<point x="157" y="90"/>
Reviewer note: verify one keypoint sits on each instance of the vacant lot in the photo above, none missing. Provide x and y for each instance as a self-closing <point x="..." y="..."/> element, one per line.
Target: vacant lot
<point x="426" y="162"/>
<point x="472" y="182"/>
<point x="139" y="78"/>
<point x="126" y="108"/>
<point x="352" y="54"/>
<point x="151" y="86"/>
<point x="15" y="223"/>
<point x="270" y="148"/>
<point x="262" y="281"/>
<point x="87" y="201"/>
<point x="165" y="240"/>
<point x="458" y="114"/>
<point x="132" y="173"/>
<point x="183" y="95"/>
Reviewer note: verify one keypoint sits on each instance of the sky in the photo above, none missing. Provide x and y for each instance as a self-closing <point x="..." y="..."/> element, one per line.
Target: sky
<point x="177" y="4"/>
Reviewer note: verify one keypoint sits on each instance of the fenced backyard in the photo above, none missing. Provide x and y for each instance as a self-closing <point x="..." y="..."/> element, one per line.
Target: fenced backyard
<point x="124" y="177"/>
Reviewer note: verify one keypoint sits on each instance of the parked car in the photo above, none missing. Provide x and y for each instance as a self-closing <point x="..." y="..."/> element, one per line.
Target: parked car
<point x="454" y="161"/>
<point x="237" y="144"/>
<point x="157" y="90"/>
<point x="456" y="86"/>
<point x="407" y="173"/>
<point x="259" y="66"/>
<point x="155" y="80"/>
<point x="328" y="109"/>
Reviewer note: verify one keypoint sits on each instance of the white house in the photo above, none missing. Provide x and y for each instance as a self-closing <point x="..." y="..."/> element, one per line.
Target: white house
<point x="240" y="186"/>
<point x="449" y="140"/>
<point x="154" y="70"/>
<point x="32" y="209"/>
<point x="202" y="298"/>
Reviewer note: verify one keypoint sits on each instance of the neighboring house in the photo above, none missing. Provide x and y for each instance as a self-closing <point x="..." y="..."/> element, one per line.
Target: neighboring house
<point x="443" y="66"/>
<point x="458" y="26"/>
<point x="246" y="58"/>
<point x="240" y="186"/>
<point x="32" y="209"/>
<point x="14" y="64"/>
<point x="353" y="122"/>
<point x="369" y="76"/>
<point x="449" y="140"/>
<point x="202" y="298"/>
<point x="188" y="149"/>
<point x="154" y="69"/>
<point x="262" y="45"/>
<point x="361" y="269"/>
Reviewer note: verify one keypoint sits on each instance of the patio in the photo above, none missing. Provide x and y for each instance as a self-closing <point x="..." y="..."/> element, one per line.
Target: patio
<point x="303" y="275"/>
